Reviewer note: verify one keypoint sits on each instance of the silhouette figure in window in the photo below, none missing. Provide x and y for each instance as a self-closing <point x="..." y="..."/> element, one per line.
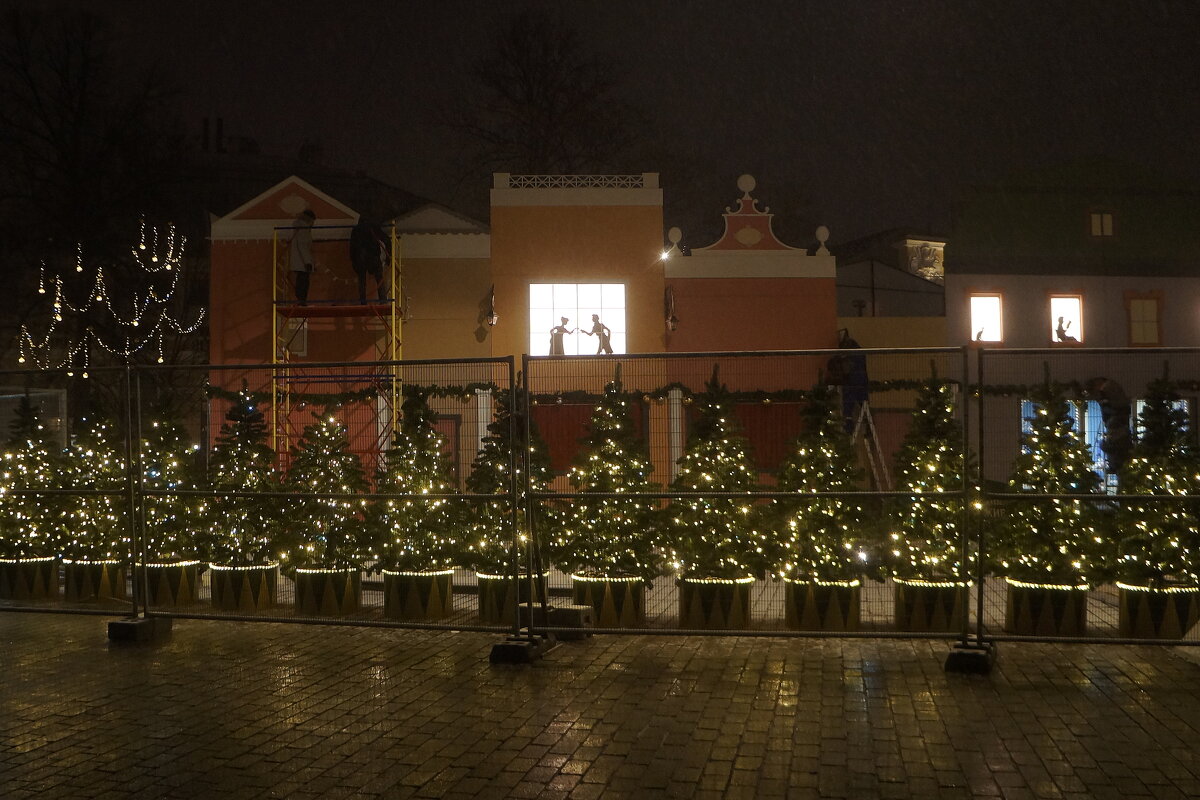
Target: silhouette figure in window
<point x="556" y="337"/>
<point x="601" y="330"/>
<point x="1061" y="331"/>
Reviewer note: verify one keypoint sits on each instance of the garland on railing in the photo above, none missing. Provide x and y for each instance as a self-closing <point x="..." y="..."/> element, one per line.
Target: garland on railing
<point x="364" y="395"/>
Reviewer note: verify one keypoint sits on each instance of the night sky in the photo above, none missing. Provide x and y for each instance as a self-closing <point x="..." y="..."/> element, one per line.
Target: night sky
<point x="860" y="115"/>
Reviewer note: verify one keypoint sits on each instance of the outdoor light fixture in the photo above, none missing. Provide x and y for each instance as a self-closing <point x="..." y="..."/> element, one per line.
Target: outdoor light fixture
<point x="492" y="316"/>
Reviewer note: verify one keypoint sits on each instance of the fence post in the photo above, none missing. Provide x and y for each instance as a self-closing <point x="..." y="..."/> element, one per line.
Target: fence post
<point x="979" y="655"/>
<point x="135" y="628"/>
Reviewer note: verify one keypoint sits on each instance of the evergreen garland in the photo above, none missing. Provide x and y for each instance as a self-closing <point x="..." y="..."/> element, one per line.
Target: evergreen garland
<point x="927" y="527"/>
<point x="715" y="537"/>
<point x="605" y="536"/>
<point x="325" y="533"/>
<point x="413" y="534"/>
<point x="820" y="538"/>
<point x="1053" y="542"/>
<point x="1159" y="543"/>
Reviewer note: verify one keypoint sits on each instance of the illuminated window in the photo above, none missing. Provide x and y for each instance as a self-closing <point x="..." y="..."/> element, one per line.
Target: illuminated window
<point x="1102" y="224"/>
<point x="985" y="318"/>
<point x="1066" y="319"/>
<point x="1144" y="326"/>
<point x="550" y="302"/>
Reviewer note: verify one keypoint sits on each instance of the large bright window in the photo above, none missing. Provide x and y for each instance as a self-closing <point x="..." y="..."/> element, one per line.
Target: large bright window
<point x="550" y="302"/>
<point x="985" y="318"/>
<point x="1066" y="319"/>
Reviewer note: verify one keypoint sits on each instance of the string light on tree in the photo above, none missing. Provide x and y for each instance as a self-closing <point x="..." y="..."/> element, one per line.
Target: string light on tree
<point x="1052" y="542"/>
<point x="926" y="527"/>
<point x="607" y="536"/>
<point x="416" y="534"/>
<point x="31" y="525"/>
<point x="325" y="532"/>
<point x="1159" y="544"/>
<point x="820" y="538"/>
<point x="715" y="537"/>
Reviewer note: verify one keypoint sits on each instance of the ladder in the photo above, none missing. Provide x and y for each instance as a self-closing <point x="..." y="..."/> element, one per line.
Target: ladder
<point x="864" y="427"/>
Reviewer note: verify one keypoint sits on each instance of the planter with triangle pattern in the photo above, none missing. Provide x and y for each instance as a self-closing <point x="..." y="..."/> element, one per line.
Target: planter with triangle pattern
<point x="1158" y="613"/>
<point x="929" y="606"/>
<point x="169" y="585"/>
<point x="714" y="603"/>
<point x="88" y="581"/>
<point x="29" y="579"/>
<point x="418" y="595"/>
<point x="244" y="589"/>
<point x="328" y="592"/>
<point x="815" y="605"/>
<point x="619" y="601"/>
<point x="1033" y="609"/>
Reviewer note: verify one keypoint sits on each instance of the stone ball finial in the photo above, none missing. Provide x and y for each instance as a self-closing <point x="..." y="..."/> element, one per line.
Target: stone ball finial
<point x="674" y="235"/>
<point x="746" y="184"/>
<point x="822" y="238"/>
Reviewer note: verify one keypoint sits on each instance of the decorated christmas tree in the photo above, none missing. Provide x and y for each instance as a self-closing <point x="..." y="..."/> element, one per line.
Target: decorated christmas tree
<point x="926" y="528"/>
<point x="490" y="533"/>
<point x="1159" y="543"/>
<point x="1058" y="541"/>
<point x="242" y="530"/>
<point x="715" y="537"/>
<point x="607" y="536"/>
<point x="30" y="525"/>
<point x="820" y="538"/>
<point x="97" y="525"/>
<point x="415" y="534"/>
<point x="170" y="522"/>
<point x="324" y="532"/>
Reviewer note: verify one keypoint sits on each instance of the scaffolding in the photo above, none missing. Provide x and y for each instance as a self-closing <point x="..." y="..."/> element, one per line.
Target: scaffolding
<point x="293" y="378"/>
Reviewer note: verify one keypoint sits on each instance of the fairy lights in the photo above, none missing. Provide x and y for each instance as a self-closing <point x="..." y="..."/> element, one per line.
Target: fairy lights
<point x="121" y="329"/>
<point x="604" y="536"/>
<point x="820" y="538"/>
<point x="715" y="537"/>
<point x="415" y="535"/>
<point x="325" y="533"/>
<point x="1056" y="542"/>
<point x="926" y="529"/>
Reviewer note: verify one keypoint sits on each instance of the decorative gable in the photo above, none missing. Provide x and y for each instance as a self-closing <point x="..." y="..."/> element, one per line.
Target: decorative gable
<point x="278" y="206"/>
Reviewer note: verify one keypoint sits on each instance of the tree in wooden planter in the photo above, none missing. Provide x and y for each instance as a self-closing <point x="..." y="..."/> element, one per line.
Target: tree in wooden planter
<point x="419" y="539"/>
<point x="925" y="546"/>
<point x="96" y="545"/>
<point x="717" y="549"/>
<point x="30" y="524"/>
<point x="821" y="549"/>
<point x="608" y="543"/>
<point x="242" y="532"/>
<point x="491" y="550"/>
<point x="326" y="549"/>
<point x="170" y="523"/>
<point x="1050" y="548"/>
<point x="1157" y="545"/>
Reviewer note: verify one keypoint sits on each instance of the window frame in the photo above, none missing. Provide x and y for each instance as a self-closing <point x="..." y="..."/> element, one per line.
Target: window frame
<point x="971" y="295"/>
<point x="1101" y="215"/>
<point x="1080" y="331"/>
<point x="1157" y="296"/>
<point x="620" y="332"/>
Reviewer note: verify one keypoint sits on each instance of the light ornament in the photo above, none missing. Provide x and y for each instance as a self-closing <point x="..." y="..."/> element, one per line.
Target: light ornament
<point x="142" y="321"/>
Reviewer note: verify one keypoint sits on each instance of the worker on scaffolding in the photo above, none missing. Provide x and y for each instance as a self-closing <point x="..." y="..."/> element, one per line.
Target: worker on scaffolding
<point x="850" y="372"/>
<point x="300" y="259"/>
<point x="370" y="252"/>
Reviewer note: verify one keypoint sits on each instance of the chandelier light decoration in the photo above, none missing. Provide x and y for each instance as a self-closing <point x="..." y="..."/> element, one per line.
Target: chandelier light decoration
<point x="123" y="326"/>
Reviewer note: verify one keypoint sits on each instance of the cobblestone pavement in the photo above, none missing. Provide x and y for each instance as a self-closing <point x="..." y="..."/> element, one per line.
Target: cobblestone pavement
<point x="266" y="710"/>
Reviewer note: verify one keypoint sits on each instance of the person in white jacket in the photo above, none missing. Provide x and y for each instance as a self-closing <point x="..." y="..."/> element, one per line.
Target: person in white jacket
<point x="300" y="260"/>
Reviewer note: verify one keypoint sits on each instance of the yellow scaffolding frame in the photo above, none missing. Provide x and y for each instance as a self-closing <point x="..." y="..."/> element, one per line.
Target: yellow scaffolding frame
<point x="388" y="347"/>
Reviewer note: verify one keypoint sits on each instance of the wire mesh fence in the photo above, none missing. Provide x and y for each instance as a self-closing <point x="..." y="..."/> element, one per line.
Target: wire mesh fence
<point x="936" y="492"/>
